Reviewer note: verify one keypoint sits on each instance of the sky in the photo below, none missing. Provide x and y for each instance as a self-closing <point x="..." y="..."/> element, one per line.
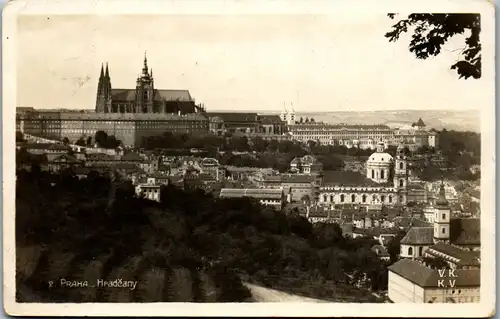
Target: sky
<point x="334" y="62"/>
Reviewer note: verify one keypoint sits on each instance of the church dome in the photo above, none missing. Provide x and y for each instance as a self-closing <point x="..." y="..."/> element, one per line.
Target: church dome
<point x="381" y="158"/>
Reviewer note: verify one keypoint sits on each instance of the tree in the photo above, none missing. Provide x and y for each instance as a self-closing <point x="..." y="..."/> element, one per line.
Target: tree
<point x="306" y="199"/>
<point x="301" y="120"/>
<point x="19" y="137"/>
<point x="394" y="246"/>
<point x="89" y="141"/>
<point x="80" y="142"/>
<point x="432" y="31"/>
<point x="65" y="141"/>
<point x="101" y="138"/>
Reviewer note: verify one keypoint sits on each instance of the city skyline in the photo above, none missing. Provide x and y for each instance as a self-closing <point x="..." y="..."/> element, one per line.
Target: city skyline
<point x="154" y="170"/>
<point x="284" y="60"/>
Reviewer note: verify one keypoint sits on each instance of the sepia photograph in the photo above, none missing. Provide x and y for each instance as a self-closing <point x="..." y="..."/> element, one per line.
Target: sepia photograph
<point x="245" y="159"/>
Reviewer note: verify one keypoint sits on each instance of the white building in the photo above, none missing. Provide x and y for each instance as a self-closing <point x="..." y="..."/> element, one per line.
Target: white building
<point x="269" y="197"/>
<point x="412" y="282"/>
<point x="360" y="136"/>
<point x="385" y="182"/>
<point x="150" y="191"/>
<point x="288" y="116"/>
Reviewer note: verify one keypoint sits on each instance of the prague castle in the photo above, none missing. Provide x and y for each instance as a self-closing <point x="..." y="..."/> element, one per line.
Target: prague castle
<point x="145" y="98"/>
<point x="128" y="114"/>
<point x="133" y="114"/>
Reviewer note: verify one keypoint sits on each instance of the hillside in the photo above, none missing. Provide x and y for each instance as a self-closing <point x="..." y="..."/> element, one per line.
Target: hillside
<point x="189" y="247"/>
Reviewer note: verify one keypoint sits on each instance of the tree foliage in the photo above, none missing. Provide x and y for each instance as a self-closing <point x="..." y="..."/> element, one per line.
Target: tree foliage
<point x="106" y="141"/>
<point x="194" y="242"/>
<point x="432" y="31"/>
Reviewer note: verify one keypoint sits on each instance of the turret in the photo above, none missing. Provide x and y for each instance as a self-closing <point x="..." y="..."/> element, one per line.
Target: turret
<point x="401" y="174"/>
<point x="442" y="217"/>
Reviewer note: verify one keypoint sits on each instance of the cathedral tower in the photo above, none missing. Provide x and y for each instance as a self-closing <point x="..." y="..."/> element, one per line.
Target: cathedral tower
<point x="145" y="90"/>
<point x="401" y="174"/>
<point x="442" y="217"/>
<point x="103" y="101"/>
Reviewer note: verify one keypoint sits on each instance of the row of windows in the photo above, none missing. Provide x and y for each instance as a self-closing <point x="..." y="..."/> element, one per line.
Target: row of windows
<point x="420" y="251"/>
<point x="363" y="198"/>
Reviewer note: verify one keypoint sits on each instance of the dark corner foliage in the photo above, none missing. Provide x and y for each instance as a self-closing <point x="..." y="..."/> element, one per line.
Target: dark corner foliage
<point x="432" y="31"/>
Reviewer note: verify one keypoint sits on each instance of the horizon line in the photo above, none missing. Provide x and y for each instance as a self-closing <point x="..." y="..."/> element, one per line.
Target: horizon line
<point x="277" y="110"/>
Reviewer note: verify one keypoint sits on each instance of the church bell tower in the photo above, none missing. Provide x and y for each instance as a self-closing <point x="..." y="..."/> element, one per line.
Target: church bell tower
<point x="401" y="174"/>
<point x="442" y="218"/>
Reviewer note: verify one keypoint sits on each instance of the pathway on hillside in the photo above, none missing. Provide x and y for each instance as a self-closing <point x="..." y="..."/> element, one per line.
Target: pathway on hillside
<point x="262" y="294"/>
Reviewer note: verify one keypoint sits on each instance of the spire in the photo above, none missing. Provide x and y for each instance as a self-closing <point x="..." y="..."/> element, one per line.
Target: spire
<point x="442" y="195"/>
<point x="151" y="72"/>
<point x="101" y="78"/>
<point x="145" y="68"/>
<point x="107" y="71"/>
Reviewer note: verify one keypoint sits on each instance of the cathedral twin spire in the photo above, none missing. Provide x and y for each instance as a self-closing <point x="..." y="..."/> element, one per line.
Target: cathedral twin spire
<point x="104" y="84"/>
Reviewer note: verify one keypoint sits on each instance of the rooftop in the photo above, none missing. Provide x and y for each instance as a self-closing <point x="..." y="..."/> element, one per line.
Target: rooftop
<point x="423" y="276"/>
<point x="347" y="178"/>
<point x="251" y="192"/>
<point x="465" y="231"/>
<point x="406" y="222"/>
<point x="465" y="257"/>
<point x="270" y="119"/>
<point x="159" y="95"/>
<point x="235" y="116"/>
<point x="122" y="116"/>
<point x="419" y="236"/>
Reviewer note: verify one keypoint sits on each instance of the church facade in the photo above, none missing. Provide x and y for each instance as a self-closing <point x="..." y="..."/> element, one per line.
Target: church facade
<point x="145" y="98"/>
<point x="385" y="182"/>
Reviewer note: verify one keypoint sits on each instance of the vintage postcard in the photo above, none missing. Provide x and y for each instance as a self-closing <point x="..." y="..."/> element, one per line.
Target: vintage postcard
<point x="244" y="158"/>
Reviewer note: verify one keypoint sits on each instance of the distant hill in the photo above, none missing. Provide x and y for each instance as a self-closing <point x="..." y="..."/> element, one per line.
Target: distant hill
<point x="451" y="120"/>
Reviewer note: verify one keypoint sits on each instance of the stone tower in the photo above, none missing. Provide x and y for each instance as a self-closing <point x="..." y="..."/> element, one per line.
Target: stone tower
<point x="401" y="174"/>
<point x="442" y="218"/>
<point x="145" y="90"/>
<point x="103" y="100"/>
